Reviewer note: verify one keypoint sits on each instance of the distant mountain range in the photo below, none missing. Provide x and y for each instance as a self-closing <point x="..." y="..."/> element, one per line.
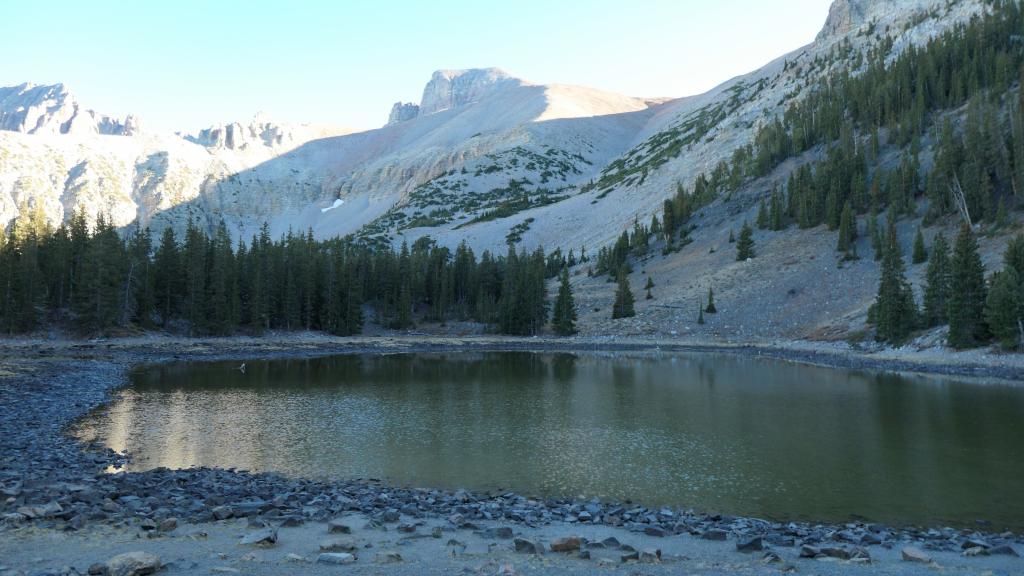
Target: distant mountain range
<point x="483" y="157"/>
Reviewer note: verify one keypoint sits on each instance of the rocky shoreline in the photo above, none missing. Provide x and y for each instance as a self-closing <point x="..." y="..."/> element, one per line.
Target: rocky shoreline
<point x="49" y="480"/>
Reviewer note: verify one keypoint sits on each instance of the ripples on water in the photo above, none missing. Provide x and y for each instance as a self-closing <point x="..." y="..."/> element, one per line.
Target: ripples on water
<point x="719" y="433"/>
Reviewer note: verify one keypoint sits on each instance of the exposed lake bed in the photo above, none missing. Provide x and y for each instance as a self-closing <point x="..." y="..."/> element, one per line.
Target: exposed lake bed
<point x="43" y="466"/>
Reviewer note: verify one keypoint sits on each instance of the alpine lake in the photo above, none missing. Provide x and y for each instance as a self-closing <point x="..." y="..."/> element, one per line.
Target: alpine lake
<point x="715" y="432"/>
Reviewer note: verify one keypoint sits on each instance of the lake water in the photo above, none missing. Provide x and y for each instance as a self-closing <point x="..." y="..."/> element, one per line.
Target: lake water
<point x="718" y="433"/>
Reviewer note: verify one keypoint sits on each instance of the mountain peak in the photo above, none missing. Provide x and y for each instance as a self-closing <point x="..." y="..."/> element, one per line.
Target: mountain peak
<point x="848" y="16"/>
<point x="448" y="89"/>
<point x="52" y="109"/>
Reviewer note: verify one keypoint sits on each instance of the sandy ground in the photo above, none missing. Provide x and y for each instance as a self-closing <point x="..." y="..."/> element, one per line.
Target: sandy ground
<point x="216" y="548"/>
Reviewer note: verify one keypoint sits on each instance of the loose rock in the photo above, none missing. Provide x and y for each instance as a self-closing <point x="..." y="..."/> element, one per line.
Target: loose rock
<point x="132" y="564"/>
<point x="338" y="527"/>
<point x="567" y="544"/>
<point x="388" y="558"/>
<point x="912" y="554"/>
<point x="755" y="544"/>
<point x="650" y="556"/>
<point x="525" y="546"/>
<point x="715" y="534"/>
<point x="335" y="558"/>
<point x="338" y="545"/>
<point x="265" y="537"/>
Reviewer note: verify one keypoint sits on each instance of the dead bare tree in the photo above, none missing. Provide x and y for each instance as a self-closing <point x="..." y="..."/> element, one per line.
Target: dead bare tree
<point x="961" y="200"/>
<point x="1020" y="333"/>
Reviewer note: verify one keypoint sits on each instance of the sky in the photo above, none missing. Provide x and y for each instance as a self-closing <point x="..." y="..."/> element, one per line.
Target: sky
<point x="188" y="64"/>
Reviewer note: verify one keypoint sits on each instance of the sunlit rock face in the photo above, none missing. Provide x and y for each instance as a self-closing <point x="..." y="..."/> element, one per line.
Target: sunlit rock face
<point x="402" y="112"/>
<point x="33" y="109"/>
<point x="453" y="88"/>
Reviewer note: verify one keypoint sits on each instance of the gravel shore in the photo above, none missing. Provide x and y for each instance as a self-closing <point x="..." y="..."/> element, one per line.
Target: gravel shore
<point x="61" y="508"/>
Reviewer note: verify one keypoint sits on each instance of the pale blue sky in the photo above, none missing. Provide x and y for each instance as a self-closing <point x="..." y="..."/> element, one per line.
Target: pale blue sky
<point x="185" y="64"/>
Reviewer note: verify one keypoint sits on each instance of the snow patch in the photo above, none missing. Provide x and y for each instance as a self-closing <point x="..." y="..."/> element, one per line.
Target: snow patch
<point x="337" y="204"/>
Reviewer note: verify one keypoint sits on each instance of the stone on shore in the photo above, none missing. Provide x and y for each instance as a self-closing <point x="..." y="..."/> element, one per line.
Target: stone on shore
<point x="755" y="544"/>
<point x="338" y="545"/>
<point x="388" y="557"/>
<point x="500" y="533"/>
<point x="265" y="537"/>
<point x="524" y="546"/>
<point x="913" y="554"/>
<point x="338" y="527"/>
<point x="715" y="534"/>
<point x="566" y="544"/>
<point x="132" y="564"/>
<point x="222" y="512"/>
<point x="335" y="558"/>
<point x="650" y="556"/>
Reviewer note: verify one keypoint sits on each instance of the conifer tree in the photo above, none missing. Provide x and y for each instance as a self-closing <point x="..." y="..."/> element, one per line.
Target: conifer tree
<point x="1014" y="255"/>
<point x="563" y="318"/>
<point x="847" y="228"/>
<point x="763" y="218"/>
<point x="1003" y="308"/>
<point x="920" y="254"/>
<point x="894" y="311"/>
<point x="877" y="245"/>
<point x="623" y="307"/>
<point x="700" y="314"/>
<point x="167" y="276"/>
<point x="745" y="244"/>
<point x="777" y="216"/>
<point x="966" y="293"/>
<point x="710" y="308"/>
<point x="936" y="291"/>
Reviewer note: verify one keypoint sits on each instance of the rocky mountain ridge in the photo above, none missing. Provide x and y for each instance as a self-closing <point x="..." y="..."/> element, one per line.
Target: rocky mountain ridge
<point x="34" y="109"/>
<point x="484" y="157"/>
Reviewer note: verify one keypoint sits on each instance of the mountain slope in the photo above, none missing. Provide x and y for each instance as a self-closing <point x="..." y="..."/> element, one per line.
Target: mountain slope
<point x="490" y="159"/>
<point x="261" y="171"/>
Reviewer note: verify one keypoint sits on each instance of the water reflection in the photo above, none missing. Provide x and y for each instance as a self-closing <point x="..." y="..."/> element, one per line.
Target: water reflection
<point x="722" y="433"/>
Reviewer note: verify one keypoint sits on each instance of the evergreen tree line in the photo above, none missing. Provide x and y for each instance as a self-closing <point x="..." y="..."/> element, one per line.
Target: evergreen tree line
<point x="96" y="280"/>
<point x="978" y="163"/>
<point x="956" y="293"/>
<point x="977" y="64"/>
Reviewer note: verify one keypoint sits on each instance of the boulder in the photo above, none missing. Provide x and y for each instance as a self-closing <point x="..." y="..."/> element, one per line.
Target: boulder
<point x="566" y="544"/>
<point x="265" y="537"/>
<point x="1003" y="549"/>
<point x="656" y="531"/>
<point x="807" y="551"/>
<point x="338" y="527"/>
<point x="132" y="564"/>
<point x="754" y="544"/>
<point x="715" y="534"/>
<point x="338" y="545"/>
<point x="524" y="546"/>
<point x="222" y="512"/>
<point x="500" y="533"/>
<point x="650" y="556"/>
<point x="912" y="554"/>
